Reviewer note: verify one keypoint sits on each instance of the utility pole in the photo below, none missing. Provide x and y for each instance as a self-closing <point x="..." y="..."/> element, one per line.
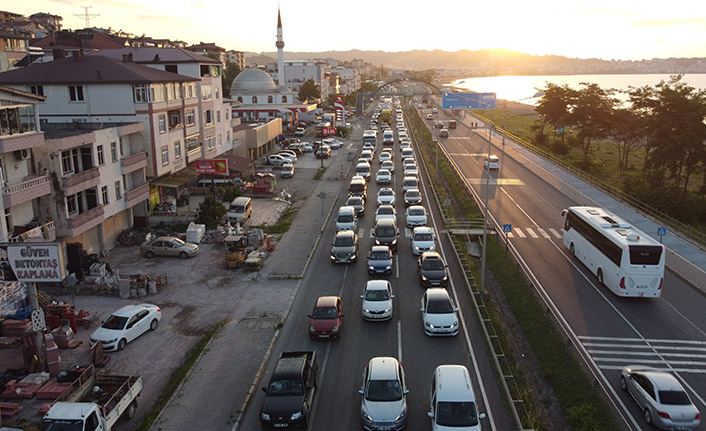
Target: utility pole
<point x="86" y="16"/>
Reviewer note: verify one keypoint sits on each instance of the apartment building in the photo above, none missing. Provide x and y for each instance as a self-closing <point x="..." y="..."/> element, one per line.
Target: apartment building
<point x="296" y="72"/>
<point x="22" y="185"/>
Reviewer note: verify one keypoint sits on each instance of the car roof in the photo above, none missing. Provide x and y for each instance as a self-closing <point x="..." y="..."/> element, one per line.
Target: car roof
<point x="345" y="233"/>
<point x="422" y="229"/>
<point x="327" y="301"/>
<point x="130" y="310"/>
<point x="438" y="294"/>
<point x="416" y="207"/>
<point x="383" y="368"/>
<point x="385" y="221"/>
<point x="663" y="381"/>
<point x="379" y="248"/>
<point x="453" y="382"/>
<point x="377" y="285"/>
<point x="164" y="238"/>
<point x="431" y="255"/>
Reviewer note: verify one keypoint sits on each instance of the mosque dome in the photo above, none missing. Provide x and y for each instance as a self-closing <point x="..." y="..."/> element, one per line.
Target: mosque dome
<point x="253" y="80"/>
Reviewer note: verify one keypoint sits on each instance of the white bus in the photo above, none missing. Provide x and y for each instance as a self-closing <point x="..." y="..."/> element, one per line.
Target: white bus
<point x="623" y="258"/>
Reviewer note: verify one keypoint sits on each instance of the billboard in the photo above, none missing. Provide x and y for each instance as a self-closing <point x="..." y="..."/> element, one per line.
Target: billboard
<point x="468" y="101"/>
<point x="328" y="131"/>
<point x="35" y="262"/>
<point x="212" y="166"/>
<point x="340" y="107"/>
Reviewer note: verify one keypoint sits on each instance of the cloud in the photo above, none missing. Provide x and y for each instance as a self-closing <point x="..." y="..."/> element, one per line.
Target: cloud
<point x="669" y="22"/>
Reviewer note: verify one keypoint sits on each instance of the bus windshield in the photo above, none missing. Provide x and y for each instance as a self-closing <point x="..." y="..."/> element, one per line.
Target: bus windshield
<point x="645" y="254"/>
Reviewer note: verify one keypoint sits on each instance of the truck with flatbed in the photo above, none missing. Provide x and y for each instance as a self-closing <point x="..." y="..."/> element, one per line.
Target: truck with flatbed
<point x="98" y="403"/>
<point x="289" y="396"/>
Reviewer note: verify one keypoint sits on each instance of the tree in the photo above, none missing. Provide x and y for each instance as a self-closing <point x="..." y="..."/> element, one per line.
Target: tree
<point x="628" y="130"/>
<point x="309" y="91"/>
<point x="554" y="108"/>
<point x="232" y="70"/>
<point x="592" y="114"/>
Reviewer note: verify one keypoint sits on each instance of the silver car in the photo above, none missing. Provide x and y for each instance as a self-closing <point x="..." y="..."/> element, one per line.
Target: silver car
<point x="662" y="398"/>
<point x="168" y="246"/>
<point x="384" y="403"/>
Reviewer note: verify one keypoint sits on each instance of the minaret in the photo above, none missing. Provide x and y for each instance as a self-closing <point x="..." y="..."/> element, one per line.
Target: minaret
<point x="280" y="52"/>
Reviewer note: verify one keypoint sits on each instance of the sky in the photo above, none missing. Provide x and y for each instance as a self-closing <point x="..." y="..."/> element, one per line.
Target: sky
<point x="606" y="29"/>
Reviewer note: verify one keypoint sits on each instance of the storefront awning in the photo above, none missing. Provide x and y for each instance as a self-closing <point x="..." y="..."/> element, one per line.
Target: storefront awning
<point x="176" y="179"/>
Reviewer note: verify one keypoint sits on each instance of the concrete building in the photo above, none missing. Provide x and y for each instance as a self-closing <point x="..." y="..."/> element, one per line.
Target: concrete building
<point x="22" y="185"/>
<point x="296" y="72"/>
<point x="209" y="48"/>
<point x="236" y="57"/>
<point x="13" y="48"/>
<point x="348" y="78"/>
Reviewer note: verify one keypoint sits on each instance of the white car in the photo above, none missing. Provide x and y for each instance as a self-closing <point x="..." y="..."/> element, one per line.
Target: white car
<point x="386" y="196"/>
<point x="409" y="183"/>
<point x="377" y="300"/>
<point x="126" y="324"/>
<point x="277" y="160"/>
<point x="438" y="312"/>
<point x="410" y="170"/>
<point x="385" y="211"/>
<point x="299" y="131"/>
<point x="308" y="148"/>
<point x="415" y="216"/>
<point x="409" y="160"/>
<point x="385" y="156"/>
<point x="383" y="177"/>
<point x="422" y="240"/>
<point x="384" y="403"/>
<point x="491" y="162"/>
<point x="367" y="155"/>
<point x="335" y="144"/>
<point x="369" y="146"/>
<point x="389" y="165"/>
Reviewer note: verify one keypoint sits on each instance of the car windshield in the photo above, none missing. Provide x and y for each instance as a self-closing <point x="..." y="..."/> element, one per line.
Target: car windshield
<point x="383" y="390"/>
<point x="386" y="192"/>
<point x="346" y="218"/>
<point x="355" y="202"/>
<point x="433" y="264"/>
<point x="385" y="231"/>
<point x="412" y="194"/>
<point x="325" y="313"/>
<point x="410" y="183"/>
<point x="423" y="237"/>
<point x="377" y="295"/>
<point x="115" y="322"/>
<point x="343" y="241"/>
<point x="674" y="398"/>
<point x="286" y="387"/>
<point x="380" y="255"/>
<point x="177" y="242"/>
<point x="439" y="306"/>
<point x="416" y="212"/>
<point x="456" y="414"/>
<point x="383" y="210"/>
<point x="62" y="425"/>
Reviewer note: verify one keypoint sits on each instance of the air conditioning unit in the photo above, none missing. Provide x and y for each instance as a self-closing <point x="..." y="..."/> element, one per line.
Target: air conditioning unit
<point x="22" y="154"/>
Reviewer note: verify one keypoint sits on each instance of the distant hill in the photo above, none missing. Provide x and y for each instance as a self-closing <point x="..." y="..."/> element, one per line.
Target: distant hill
<point x="494" y="62"/>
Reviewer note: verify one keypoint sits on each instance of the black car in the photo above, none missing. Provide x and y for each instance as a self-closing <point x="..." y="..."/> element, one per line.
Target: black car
<point x="412" y="197"/>
<point x="358" y="204"/>
<point x="290" y="393"/>
<point x="345" y="247"/>
<point x="386" y="233"/>
<point x="323" y="152"/>
<point x="432" y="270"/>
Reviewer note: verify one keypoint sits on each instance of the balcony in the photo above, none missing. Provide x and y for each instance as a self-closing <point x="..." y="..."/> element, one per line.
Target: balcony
<point x="25" y="191"/>
<point x="81" y="181"/>
<point x="137" y="195"/>
<point x="193" y="154"/>
<point x="41" y="233"/>
<point x="82" y="222"/>
<point x="133" y="162"/>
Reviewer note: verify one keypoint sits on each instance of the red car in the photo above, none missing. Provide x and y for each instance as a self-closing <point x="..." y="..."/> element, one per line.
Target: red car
<point x="326" y="318"/>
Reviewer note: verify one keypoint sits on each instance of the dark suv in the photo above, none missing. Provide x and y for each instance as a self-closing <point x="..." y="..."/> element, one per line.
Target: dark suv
<point x="386" y="233"/>
<point x="345" y="247"/>
<point x="432" y="270"/>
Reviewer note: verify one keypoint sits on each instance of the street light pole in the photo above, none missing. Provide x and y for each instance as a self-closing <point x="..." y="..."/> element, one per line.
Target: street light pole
<point x="486" y="172"/>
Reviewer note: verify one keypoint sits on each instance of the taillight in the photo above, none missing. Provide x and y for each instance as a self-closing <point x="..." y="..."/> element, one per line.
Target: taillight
<point x="698" y="416"/>
<point x="664" y="415"/>
<point x="622" y="283"/>
<point x="661" y="280"/>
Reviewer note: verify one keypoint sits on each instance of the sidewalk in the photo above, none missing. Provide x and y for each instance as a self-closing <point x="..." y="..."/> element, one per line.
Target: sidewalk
<point x="217" y="390"/>
<point x="685" y="260"/>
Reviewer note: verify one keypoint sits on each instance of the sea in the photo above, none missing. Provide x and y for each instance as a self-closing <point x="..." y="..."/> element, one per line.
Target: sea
<point x="515" y="88"/>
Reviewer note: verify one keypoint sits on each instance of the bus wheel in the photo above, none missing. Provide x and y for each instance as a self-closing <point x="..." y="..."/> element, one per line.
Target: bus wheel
<point x="600" y="276"/>
<point x="573" y="251"/>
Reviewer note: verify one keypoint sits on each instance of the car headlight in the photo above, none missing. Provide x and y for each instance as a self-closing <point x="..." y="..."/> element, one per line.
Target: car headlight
<point x="394" y="241"/>
<point x="424" y="277"/>
<point x="455" y="324"/>
<point x="366" y="310"/>
<point x="377" y="242"/>
<point x="387" y="310"/>
<point x="367" y="417"/>
<point x="296" y="415"/>
<point x="312" y="329"/>
<point x="335" y="329"/>
<point x="265" y="416"/>
<point x="371" y="268"/>
<point x="388" y="267"/>
<point x="446" y="277"/>
<point x="428" y="324"/>
<point x="401" y="416"/>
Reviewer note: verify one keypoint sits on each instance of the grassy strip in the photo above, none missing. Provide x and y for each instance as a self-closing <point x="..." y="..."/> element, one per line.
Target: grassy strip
<point x="178" y="376"/>
<point x="572" y="386"/>
<point x="283" y="224"/>
<point x="320" y="173"/>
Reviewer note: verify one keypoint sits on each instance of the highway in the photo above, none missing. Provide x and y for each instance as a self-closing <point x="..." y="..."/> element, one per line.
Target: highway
<point x="612" y="332"/>
<point x="341" y="362"/>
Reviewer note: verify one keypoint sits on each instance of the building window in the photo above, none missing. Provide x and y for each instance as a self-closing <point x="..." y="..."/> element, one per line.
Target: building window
<point x="228" y="137"/>
<point x="210" y="142"/>
<point x="206" y="93"/>
<point x="69" y="159"/>
<point x="104" y="195"/>
<point x="240" y="99"/>
<point x="118" y="193"/>
<point x="174" y="119"/>
<point x="254" y="99"/>
<point x="72" y="205"/>
<point x="37" y="89"/>
<point x="218" y="93"/>
<point x="141" y="93"/>
<point x="171" y="68"/>
<point x="284" y="99"/>
<point x="177" y="150"/>
<point x="220" y="140"/>
<point x="162" y="124"/>
<point x="165" y="155"/>
<point x="76" y="93"/>
<point x="8" y="222"/>
<point x="218" y="116"/>
<point x="270" y="99"/>
<point x="226" y="113"/>
<point x="209" y="116"/>
<point x="190" y="117"/>
<point x="101" y="156"/>
<point x="122" y="152"/>
<point x="114" y="151"/>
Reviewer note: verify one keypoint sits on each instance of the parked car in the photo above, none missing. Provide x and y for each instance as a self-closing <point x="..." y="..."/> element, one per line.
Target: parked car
<point x="277" y="160"/>
<point x="323" y="152"/>
<point x="385" y="211"/>
<point x="416" y="215"/>
<point x="438" y="312"/>
<point x="422" y="240"/>
<point x="432" y="269"/>
<point x="386" y="196"/>
<point x="412" y="197"/>
<point x="287" y="170"/>
<point x="380" y="260"/>
<point x="126" y="324"/>
<point x="168" y="246"/>
<point x="661" y="397"/>
<point x="383" y="176"/>
<point x="491" y="162"/>
<point x="299" y="131"/>
<point x="377" y="300"/>
<point x="344" y="247"/>
<point x="326" y="319"/>
<point x="308" y="148"/>
<point x="384" y="391"/>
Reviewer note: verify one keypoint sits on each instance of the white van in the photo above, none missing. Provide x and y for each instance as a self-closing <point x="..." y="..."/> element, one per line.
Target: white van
<point x="387" y="137"/>
<point x="363" y="169"/>
<point x="407" y="152"/>
<point x="240" y="209"/>
<point x="452" y="402"/>
<point x="409" y="183"/>
<point x="346" y="219"/>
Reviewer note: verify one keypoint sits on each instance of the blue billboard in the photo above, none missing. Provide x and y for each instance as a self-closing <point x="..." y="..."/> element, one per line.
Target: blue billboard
<point x="468" y="101"/>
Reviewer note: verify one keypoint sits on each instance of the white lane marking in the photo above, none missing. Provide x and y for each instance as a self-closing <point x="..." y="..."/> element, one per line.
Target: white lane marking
<point x="666" y="370"/>
<point x="519" y="232"/>
<point x="644" y="346"/>
<point x="632" y="353"/>
<point x="555" y="233"/>
<point x="399" y="340"/>
<point x="642" y="340"/>
<point x="531" y="233"/>
<point x="397" y="268"/>
<point x="543" y="233"/>
<point x="510" y="235"/>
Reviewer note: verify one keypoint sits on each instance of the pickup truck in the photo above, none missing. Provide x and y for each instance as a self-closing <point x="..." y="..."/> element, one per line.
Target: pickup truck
<point x="290" y="393"/>
<point x="97" y="404"/>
